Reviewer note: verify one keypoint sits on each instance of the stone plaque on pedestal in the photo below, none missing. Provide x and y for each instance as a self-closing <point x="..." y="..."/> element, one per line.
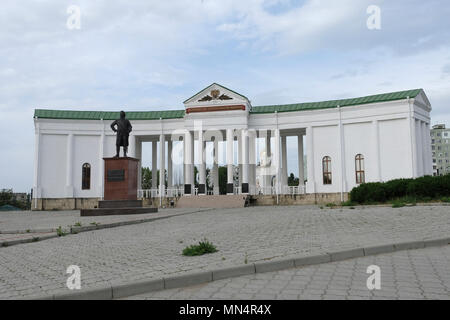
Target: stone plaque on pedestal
<point x="121" y="176"/>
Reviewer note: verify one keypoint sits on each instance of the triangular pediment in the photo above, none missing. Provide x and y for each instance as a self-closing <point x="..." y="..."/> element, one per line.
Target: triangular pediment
<point x="216" y="94"/>
<point x="423" y="99"/>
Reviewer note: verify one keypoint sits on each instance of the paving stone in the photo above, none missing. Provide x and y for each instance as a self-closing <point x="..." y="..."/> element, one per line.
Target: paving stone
<point x="256" y="234"/>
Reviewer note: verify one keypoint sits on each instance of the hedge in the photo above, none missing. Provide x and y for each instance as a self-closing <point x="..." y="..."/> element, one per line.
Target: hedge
<point x="427" y="187"/>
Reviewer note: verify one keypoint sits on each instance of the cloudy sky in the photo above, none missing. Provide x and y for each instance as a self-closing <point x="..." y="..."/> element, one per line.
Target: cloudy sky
<point x="153" y="54"/>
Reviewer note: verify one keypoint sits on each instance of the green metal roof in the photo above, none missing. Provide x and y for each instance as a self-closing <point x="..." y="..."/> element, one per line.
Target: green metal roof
<point x="334" y="103"/>
<point x="177" y="114"/>
<point x="105" y="115"/>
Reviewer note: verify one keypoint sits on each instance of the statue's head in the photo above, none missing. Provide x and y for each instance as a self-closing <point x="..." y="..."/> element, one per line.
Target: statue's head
<point x="122" y="115"/>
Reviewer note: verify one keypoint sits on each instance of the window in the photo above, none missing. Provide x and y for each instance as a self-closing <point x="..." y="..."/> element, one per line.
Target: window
<point x="326" y="166"/>
<point x="86" y="177"/>
<point x="359" y="169"/>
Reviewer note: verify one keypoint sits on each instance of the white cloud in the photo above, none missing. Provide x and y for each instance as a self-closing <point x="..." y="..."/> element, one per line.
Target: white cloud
<point x="153" y="54"/>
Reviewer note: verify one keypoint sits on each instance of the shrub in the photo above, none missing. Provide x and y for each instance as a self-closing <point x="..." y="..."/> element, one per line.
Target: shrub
<point x="203" y="247"/>
<point x="445" y="199"/>
<point x="347" y="204"/>
<point x="423" y="188"/>
<point x="398" y="204"/>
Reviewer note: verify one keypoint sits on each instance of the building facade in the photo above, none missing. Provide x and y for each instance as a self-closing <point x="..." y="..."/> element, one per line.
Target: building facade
<point x="345" y="143"/>
<point x="440" y="146"/>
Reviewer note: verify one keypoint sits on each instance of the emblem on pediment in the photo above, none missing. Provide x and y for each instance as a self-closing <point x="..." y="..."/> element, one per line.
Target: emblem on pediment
<point x="215" y="95"/>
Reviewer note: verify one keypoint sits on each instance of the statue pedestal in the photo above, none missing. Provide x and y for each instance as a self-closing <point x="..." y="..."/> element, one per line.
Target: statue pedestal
<point x="120" y="196"/>
<point x="121" y="176"/>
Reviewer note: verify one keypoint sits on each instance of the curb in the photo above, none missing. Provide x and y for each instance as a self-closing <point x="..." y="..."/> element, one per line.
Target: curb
<point x="76" y="230"/>
<point x="122" y="289"/>
<point x="6" y="244"/>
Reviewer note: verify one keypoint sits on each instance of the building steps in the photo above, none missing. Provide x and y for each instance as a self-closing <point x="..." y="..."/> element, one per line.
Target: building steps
<point x="218" y="201"/>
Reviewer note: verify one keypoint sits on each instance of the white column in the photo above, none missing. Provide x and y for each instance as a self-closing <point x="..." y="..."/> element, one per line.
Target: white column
<point x="301" y="165"/>
<point x="69" y="167"/>
<point x="311" y="183"/>
<point x="215" y="169"/>
<point x="284" y="172"/>
<point x="154" y="165"/>
<point x="428" y="150"/>
<point x="420" y="148"/>
<point x="201" y="163"/>
<point x="413" y="142"/>
<point x="230" y="141"/>
<point x="245" y="161"/>
<point x="162" y="165"/>
<point x="425" y="151"/>
<point x="342" y="158"/>
<point x="240" y="158"/>
<point x="276" y="163"/>
<point x="376" y="151"/>
<point x="169" y="164"/>
<point x="37" y="165"/>
<point x="188" y="163"/>
<point x="267" y="170"/>
<point x="101" y="176"/>
<point x="138" y="155"/>
<point x="192" y="166"/>
<point x="252" y="161"/>
<point x="132" y="147"/>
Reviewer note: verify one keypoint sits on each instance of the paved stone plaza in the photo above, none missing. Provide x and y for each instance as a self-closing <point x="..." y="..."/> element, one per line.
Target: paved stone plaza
<point x="412" y="274"/>
<point x="153" y="249"/>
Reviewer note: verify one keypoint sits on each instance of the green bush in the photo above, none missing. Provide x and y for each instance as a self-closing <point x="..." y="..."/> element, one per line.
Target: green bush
<point x="398" y="204"/>
<point x="423" y="189"/>
<point x="203" y="247"/>
<point x="347" y="204"/>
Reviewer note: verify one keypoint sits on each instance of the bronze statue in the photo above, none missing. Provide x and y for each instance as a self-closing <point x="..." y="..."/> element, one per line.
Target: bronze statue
<point x="123" y="131"/>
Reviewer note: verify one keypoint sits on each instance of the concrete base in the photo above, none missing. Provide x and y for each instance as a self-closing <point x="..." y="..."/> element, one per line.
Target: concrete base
<point x="293" y="200"/>
<point x="222" y="201"/>
<point x="115" y="211"/>
<point x="120" y="204"/>
<point x="64" y="204"/>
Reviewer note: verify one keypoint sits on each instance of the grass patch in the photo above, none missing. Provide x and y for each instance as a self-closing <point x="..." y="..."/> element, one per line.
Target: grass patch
<point x="330" y="205"/>
<point x="203" y="247"/>
<point x="35" y="239"/>
<point x="60" y="232"/>
<point x="78" y="224"/>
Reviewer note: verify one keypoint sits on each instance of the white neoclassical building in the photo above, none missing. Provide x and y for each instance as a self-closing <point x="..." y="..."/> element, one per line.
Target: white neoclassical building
<point x="345" y="143"/>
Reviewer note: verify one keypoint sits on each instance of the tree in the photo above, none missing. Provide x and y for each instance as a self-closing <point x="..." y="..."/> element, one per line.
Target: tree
<point x="292" y="180"/>
<point x="146" y="180"/>
<point x="7" y="198"/>
<point x="223" y="177"/>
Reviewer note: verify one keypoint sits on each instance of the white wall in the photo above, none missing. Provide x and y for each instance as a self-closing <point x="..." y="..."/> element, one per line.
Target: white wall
<point x="86" y="151"/>
<point x="52" y="157"/>
<point x="326" y="143"/>
<point x="358" y="140"/>
<point x="395" y="149"/>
